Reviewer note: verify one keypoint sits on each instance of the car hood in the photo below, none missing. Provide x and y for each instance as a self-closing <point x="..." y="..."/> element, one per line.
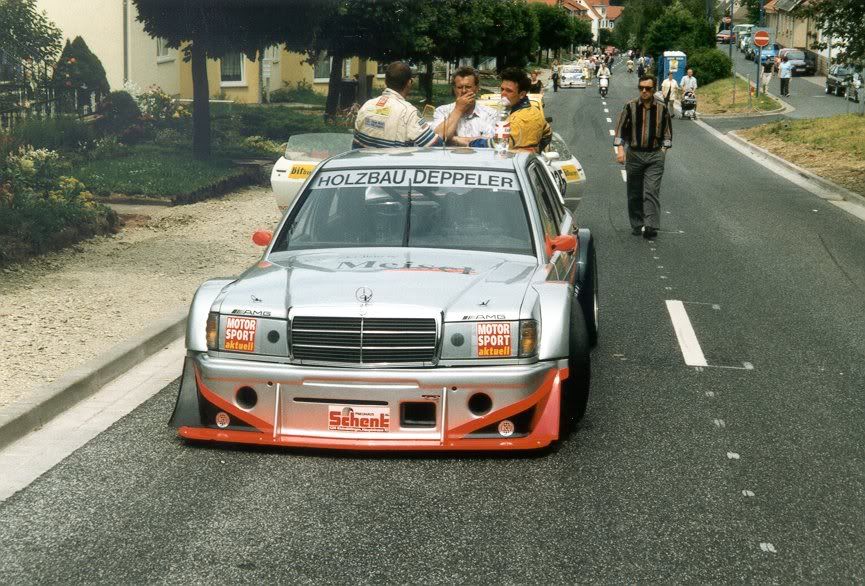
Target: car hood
<point x="399" y="282"/>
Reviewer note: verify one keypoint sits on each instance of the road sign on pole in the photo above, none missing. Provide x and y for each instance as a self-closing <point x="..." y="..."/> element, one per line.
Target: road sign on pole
<point x="761" y="38"/>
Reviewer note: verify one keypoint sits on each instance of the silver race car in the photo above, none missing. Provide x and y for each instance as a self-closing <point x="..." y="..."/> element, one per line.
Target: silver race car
<point x="410" y="299"/>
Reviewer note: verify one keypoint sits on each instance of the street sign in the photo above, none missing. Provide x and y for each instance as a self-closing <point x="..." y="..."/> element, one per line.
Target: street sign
<point x="761" y="38"/>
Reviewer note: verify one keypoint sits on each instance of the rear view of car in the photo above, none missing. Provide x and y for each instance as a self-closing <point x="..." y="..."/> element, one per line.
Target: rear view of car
<point x="571" y="76"/>
<point x="797" y="58"/>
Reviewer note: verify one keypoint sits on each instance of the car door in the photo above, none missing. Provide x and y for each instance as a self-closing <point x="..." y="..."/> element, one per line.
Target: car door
<point x="556" y="221"/>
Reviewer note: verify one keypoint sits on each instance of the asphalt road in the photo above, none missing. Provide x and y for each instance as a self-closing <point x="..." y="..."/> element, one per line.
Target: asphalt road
<point x="748" y="469"/>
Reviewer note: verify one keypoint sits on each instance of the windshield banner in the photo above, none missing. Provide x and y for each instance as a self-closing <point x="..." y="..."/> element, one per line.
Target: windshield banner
<point x="417" y="178"/>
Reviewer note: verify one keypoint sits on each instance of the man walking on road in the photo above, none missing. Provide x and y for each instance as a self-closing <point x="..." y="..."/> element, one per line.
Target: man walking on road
<point x="646" y="128"/>
<point x="786" y="75"/>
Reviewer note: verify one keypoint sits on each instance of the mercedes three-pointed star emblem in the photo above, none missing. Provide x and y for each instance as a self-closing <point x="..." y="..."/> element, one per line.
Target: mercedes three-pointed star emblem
<point x="363" y="294"/>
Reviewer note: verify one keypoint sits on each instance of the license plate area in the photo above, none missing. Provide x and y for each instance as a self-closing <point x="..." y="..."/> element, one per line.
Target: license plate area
<point x="354" y="419"/>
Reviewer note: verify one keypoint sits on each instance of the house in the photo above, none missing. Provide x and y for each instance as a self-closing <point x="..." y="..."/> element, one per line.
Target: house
<point x="793" y="30"/>
<point x="613" y="13"/>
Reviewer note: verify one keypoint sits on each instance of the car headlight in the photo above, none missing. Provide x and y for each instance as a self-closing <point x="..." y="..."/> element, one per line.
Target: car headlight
<point x="490" y="339"/>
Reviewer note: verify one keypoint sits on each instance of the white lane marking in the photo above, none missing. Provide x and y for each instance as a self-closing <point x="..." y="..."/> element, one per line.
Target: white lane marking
<point x="610" y="120"/>
<point x="748" y="493"/>
<point x="710" y="394"/>
<point x="612" y="132"/>
<point x="615" y="152"/>
<point x="624" y="175"/>
<point x="719" y="423"/>
<point x="716" y="307"/>
<point x="660" y="266"/>
<point x="24" y="460"/>
<point x="606" y="110"/>
<point x="668" y="288"/>
<point x="732" y="456"/>
<point x="604" y="103"/>
<point x="768" y="547"/>
<point x="688" y="343"/>
<point x="747" y="366"/>
<point x="663" y="276"/>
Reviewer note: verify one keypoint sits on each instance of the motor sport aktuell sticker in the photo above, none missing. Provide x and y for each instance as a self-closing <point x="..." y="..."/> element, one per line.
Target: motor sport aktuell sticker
<point x="344" y="418"/>
<point x="417" y="178"/>
<point x="240" y="334"/>
<point x="494" y="339"/>
<point x="300" y="170"/>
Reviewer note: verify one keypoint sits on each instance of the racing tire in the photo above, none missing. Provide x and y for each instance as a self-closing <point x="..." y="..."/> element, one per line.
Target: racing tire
<point x="575" y="388"/>
<point x="588" y="298"/>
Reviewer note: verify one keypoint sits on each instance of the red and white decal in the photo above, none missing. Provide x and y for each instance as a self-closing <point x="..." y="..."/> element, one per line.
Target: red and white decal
<point x="240" y="334"/>
<point x="494" y="339"/>
<point x="381" y="101"/>
<point x="358" y="418"/>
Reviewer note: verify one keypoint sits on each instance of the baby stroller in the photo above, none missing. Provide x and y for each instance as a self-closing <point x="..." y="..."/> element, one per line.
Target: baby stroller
<point x="689" y="106"/>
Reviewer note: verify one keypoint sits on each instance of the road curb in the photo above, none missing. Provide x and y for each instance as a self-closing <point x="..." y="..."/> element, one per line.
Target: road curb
<point x="826" y="184"/>
<point x="22" y="417"/>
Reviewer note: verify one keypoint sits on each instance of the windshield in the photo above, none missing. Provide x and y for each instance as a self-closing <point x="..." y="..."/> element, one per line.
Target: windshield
<point x="317" y="146"/>
<point x="454" y="209"/>
<point x="798" y="55"/>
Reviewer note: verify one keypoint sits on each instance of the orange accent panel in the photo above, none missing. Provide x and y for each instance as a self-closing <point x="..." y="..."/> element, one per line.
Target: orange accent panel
<point x="229" y="408"/>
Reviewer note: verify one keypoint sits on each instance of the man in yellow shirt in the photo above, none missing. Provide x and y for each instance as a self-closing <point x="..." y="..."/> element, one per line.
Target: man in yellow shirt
<point x="529" y="130"/>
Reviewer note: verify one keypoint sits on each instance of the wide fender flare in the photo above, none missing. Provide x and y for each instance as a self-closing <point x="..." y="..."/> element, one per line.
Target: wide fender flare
<point x="196" y="323"/>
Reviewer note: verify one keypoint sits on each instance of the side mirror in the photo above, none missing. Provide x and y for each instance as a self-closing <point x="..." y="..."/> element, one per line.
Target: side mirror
<point x="563" y="243"/>
<point x="262" y="237"/>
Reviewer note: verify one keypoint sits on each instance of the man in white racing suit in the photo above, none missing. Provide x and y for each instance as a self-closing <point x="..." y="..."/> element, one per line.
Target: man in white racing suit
<point x="391" y="121"/>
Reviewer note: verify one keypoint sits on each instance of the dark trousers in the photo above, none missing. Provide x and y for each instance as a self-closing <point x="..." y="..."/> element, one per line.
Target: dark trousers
<point x="785" y="86"/>
<point x="555" y="84"/>
<point x="644" y="170"/>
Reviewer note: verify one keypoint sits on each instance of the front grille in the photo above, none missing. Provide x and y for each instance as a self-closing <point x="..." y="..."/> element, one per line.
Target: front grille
<point x="362" y="340"/>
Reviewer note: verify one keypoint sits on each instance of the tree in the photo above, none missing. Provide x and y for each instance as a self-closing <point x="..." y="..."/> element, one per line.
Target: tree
<point x="27" y="38"/>
<point x="79" y="69"/>
<point x="555" y="27"/>
<point x="843" y="23"/>
<point x="511" y="34"/>
<point x="210" y="29"/>
<point x="605" y="37"/>
<point x="581" y="32"/>
<point x="677" y="29"/>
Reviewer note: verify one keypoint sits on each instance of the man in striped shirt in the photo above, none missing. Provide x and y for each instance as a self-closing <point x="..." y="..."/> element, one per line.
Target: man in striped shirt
<point x="645" y="127"/>
<point x="391" y="121"/>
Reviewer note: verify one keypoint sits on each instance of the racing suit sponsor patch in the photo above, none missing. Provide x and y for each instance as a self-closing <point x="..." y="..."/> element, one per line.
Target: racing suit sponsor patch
<point x="344" y="418"/>
<point x="381" y="101"/>
<point x="240" y="334"/>
<point x="494" y="339"/>
<point x="373" y="123"/>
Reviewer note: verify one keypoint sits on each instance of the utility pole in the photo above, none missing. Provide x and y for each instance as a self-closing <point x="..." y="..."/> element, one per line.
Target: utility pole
<point x="730" y="29"/>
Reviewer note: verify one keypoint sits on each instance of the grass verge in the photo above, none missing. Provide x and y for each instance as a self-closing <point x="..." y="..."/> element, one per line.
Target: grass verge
<point x="717" y="98"/>
<point x="163" y="173"/>
<point x="830" y="147"/>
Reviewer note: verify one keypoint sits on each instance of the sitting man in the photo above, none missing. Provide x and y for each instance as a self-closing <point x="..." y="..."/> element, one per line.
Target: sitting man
<point x="477" y="120"/>
<point x="391" y="121"/>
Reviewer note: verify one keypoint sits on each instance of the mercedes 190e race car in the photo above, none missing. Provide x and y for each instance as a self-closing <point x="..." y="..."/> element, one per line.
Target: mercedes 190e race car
<point x="410" y="299"/>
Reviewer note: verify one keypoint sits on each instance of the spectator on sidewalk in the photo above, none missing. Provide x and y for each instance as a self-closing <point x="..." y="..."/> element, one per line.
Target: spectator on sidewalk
<point x="786" y="75"/>
<point x="645" y="127"/>
<point x="670" y="91"/>
<point x="769" y="67"/>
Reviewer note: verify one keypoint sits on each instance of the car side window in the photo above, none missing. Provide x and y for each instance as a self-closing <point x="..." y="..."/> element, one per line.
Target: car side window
<point x="548" y="218"/>
<point x="551" y="195"/>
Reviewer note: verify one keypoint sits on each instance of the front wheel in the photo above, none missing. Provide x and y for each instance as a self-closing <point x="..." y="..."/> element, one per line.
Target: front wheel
<point x="575" y="388"/>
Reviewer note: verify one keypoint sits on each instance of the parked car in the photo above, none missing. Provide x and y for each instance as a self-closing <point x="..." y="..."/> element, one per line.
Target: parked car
<point x="742" y="29"/>
<point x="769" y="52"/>
<point x="725" y="36"/>
<point x="798" y="58"/>
<point x="744" y="42"/>
<point x="855" y="90"/>
<point x="837" y="79"/>
<point x="420" y="299"/>
<point x="303" y="153"/>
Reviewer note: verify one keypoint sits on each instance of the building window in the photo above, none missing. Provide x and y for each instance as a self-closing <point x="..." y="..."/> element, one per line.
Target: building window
<point x="321" y="68"/>
<point x="346" y="68"/>
<point x="163" y="53"/>
<point x="231" y="70"/>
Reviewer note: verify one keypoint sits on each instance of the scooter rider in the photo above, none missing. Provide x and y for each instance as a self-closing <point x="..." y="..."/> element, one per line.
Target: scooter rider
<point x="603" y="73"/>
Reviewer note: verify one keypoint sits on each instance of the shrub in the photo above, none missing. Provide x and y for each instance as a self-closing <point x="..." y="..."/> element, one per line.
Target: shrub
<point x="265" y="146"/>
<point x="119" y="111"/>
<point x="709" y="65"/>
<point x="61" y="133"/>
<point x="79" y="69"/>
<point x="302" y="93"/>
<point x="280" y="123"/>
<point x="35" y="170"/>
<point x="159" y="107"/>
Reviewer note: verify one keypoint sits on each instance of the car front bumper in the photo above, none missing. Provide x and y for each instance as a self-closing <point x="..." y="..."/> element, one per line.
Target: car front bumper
<point x="295" y="405"/>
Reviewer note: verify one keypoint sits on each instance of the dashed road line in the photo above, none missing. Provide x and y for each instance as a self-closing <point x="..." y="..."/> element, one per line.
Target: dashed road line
<point x="688" y="342"/>
<point x="624" y="175"/>
<point x="610" y="120"/>
<point x="612" y="132"/>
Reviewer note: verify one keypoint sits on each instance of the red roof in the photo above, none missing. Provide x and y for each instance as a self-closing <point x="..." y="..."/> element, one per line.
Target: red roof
<point x="614" y="12"/>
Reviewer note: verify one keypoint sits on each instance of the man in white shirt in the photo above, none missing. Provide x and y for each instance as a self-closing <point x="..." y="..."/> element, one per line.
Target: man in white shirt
<point x="477" y="120"/>
<point x="689" y="82"/>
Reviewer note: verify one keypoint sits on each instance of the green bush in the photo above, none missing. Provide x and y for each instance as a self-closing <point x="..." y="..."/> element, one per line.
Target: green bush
<point x="119" y="112"/>
<point x="61" y="133"/>
<point x="78" y="69"/>
<point x="302" y="93"/>
<point x="709" y="65"/>
<point x="280" y="123"/>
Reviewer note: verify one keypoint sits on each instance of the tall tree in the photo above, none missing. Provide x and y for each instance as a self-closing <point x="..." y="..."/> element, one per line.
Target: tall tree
<point x="678" y="29"/>
<point x="210" y="29"/>
<point x="555" y="27"/>
<point x="842" y="23"/>
<point x="27" y="38"/>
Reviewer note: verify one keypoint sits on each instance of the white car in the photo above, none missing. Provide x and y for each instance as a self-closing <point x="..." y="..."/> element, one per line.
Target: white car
<point x="303" y="153"/>
<point x="571" y="76"/>
<point x="572" y="177"/>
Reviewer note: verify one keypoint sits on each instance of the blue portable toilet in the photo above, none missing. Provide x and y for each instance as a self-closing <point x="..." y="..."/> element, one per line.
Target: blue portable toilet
<point x="674" y="61"/>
